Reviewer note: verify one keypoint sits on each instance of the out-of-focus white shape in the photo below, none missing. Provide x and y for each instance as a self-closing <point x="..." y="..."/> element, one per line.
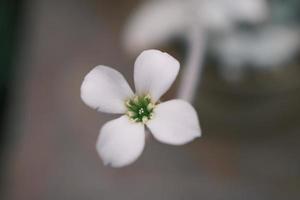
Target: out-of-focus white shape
<point x="191" y="75"/>
<point x="253" y="11"/>
<point x="221" y="15"/>
<point x="272" y="46"/>
<point x="155" y="22"/>
<point x="120" y="142"/>
<point x="154" y="73"/>
<point x="175" y="122"/>
<point x="105" y="89"/>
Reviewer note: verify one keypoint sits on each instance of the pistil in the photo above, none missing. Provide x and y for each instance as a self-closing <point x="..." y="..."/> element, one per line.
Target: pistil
<point x="140" y="108"/>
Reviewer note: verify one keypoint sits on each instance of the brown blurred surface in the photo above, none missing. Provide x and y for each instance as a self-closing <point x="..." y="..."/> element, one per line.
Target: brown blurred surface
<point x="54" y="157"/>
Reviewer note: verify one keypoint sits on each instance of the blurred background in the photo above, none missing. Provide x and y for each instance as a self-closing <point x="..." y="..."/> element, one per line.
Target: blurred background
<point x="247" y="98"/>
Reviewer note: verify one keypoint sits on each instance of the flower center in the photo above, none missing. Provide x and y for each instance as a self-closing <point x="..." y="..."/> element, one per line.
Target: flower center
<point x="140" y="108"/>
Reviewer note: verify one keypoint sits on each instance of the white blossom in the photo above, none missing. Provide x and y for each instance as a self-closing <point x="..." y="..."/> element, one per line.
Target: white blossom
<point x="156" y="22"/>
<point x="122" y="140"/>
<point x="270" y="46"/>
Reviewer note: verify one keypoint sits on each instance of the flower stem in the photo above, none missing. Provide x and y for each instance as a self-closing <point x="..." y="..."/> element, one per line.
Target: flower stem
<point x="194" y="64"/>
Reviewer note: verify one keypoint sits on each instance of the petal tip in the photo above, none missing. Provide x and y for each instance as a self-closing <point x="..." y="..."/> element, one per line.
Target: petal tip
<point x="154" y="72"/>
<point x="120" y="143"/>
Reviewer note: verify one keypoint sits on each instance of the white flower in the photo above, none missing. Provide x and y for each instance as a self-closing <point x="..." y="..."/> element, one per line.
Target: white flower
<point x="269" y="47"/>
<point x="156" y="22"/>
<point x="121" y="141"/>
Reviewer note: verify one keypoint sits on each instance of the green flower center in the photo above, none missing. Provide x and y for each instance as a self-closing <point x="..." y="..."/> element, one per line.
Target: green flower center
<point x="140" y="108"/>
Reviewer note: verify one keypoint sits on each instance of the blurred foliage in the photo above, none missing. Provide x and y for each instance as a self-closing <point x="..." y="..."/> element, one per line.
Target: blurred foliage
<point x="8" y="21"/>
<point x="9" y="12"/>
<point x="9" y="18"/>
<point x="285" y="11"/>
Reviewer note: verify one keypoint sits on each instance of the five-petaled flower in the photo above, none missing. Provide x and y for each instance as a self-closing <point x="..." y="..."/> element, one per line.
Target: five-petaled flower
<point x="121" y="141"/>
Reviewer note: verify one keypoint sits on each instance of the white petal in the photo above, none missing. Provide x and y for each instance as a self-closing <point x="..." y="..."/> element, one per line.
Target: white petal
<point x="121" y="142"/>
<point x="105" y="89"/>
<point x="154" y="23"/>
<point x="269" y="47"/>
<point x="175" y="122"/>
<point x="253" y="11"/>
<point x="154" y="73"/>
<point x="213" y="15"/>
